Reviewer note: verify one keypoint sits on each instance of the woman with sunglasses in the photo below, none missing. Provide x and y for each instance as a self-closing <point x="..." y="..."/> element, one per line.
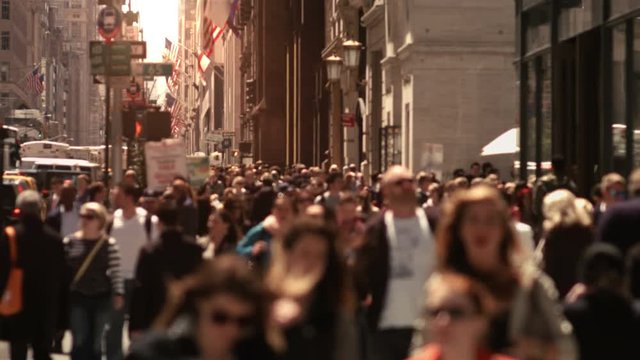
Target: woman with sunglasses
<point x="97" y="286"/>
<point x="314" y="309"/>
<point x="477" y="239"/>
<point x="458" y="312"/>
<point x="216" y="314"/>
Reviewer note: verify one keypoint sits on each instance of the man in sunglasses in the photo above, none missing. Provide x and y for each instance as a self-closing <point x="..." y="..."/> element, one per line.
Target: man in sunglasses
<point x="393" y="264"/>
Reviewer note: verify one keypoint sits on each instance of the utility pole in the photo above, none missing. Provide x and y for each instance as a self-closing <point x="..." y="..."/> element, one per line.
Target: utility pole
<point x="107" y="112"/>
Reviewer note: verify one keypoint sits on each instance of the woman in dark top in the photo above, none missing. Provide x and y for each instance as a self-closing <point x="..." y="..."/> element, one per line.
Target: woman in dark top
<point x="217" y="314"/>
<point x="97" y="286"/>
<point x="314" y="308"/>
<point x="476" y="238"/>
<point x="223" y="234"/>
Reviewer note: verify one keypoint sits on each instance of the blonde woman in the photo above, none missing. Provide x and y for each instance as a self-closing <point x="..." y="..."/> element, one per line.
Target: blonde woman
<point x="567" y="233"/>
<point x="97" y="285"/>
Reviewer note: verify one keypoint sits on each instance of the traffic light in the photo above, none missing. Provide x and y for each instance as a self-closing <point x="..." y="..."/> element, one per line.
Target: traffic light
<point x="133" y="124"/>
<point x="146" y="125"/>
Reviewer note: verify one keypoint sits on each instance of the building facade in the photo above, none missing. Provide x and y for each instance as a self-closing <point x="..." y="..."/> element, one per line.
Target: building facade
<point x="440" y="82"/>
<point x="578" y="72"/>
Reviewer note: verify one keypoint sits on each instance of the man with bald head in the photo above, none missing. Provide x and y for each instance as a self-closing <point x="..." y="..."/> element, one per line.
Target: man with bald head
<point x="392" y="266"/>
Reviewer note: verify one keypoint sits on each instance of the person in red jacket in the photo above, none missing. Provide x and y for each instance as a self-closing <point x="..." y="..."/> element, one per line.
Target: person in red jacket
<point x="457" y="316"/>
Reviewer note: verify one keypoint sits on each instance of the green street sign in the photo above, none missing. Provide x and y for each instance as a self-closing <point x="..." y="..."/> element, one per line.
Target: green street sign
<point x="157" y="69"/>
<point x="119" y="59"/>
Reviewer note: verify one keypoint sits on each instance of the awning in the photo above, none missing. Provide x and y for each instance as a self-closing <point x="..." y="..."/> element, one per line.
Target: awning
<point x="506" y="143"/>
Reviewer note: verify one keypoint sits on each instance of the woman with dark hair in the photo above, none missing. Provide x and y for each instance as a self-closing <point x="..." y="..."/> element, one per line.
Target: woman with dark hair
<point x="218" y="313"/>
<point x="223" y="234"/>
<point x="97" y="192"/>
<point x="236" y="207"/>
<point x="314" y="307"/>
<point x="476" y="238"/>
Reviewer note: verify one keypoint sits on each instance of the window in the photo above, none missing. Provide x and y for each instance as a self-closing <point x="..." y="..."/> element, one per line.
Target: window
<point x="619" y="96"/>
<point x="4" y="40"/>
<point x="4" y="71"/>
<point x="5" y="9"/>
<point x="538" y="32"/>
<point x="577" y="17"/>
<point x="619" y="7"/>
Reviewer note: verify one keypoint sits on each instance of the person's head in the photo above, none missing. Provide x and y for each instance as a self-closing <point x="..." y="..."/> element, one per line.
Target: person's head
<point x="334" y="169"/>
<point x="560" y="209"/>
<point x="458" y="311"/>
<point x="613" y="188"/>
<point x="309" y="261"/>
<point x="335" y="181"/>
<point x="315" y="211"/>
<point x="474" y="169"/>
<point x="82" y="183"/>
<point x="477" y="236"/>
<point x="634" y="184"/>
<point x="68" y="195"/>
<point x="180" y="189"/>
<point x="461" y="183"/>
<point x="97" y="192"/>
<point x="347" y="209"/>
<point x="126" y="195"/>
<point x="435" y="193"/>
<point x="602" y="268"/>
<point x="267" y="180"/>
<point x="30" y="204"/>
<point x="226" y="301"/>
<point x="303" y="199"/>
<point x="424" y="180"/>
<point x="486" y="168"/>
<point x="56" y="185"/>
<point x="93" y="218"/>
<point x="168" y="214"/>
<point x="238" y="182"/>
<point x="130" y="177"/>
<point x="458" y="173"/>
<point x="222" y="225"/>
<point x="282" y="208"/>
<point x="399" y="188"/>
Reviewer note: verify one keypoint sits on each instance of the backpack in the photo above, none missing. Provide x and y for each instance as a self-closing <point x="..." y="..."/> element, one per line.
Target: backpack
<point x="11" y="302"/>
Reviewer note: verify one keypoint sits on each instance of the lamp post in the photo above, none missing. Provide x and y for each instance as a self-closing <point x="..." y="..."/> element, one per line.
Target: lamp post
<point x="351" y="50"/>
<point x="334" y="74"/>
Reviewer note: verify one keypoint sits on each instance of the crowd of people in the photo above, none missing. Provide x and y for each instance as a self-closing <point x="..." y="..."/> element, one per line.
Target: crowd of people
<point x="262" y="262"/>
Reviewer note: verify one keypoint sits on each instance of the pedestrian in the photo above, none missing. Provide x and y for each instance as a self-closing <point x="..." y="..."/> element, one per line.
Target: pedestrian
<point x="54" y="197"/>
<point x="458" y="313"/>
<point x="132" y="227"/>
<point x="204" y="209"/>
<point x="314" y="307"/>
<point x="256" y="244"/>
<point x="130" y="178"/>
<point x="263" y="201"/>
<point x="621" y="220"/>
<point x="218" y="313"/>
<point x="557" y="179"/>
<point x="331" y="197"/>
<point x="65" y="217"/>
<point x="396" y="258"/>
<point x="613" y="187"/>
<point x="97" y="192"/>
<point x="174" y="256"/>
<point x="477" y="239"/>
<point x="605" y="321"/>
<point x="40" y="255"/>
<point x="350" y="228"/>
<point x="188" y="213"/>
<point x="97" y="288"/>
<point x="223" y="234"/>
<point x="567" y="234"/>
<point x="83" y="182"/>
<point x="424" y="182"/>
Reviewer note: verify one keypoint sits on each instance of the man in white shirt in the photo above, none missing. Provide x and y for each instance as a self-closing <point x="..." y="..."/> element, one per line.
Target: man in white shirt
<point x="395" y="261"/>
<point x="132" y="228"/>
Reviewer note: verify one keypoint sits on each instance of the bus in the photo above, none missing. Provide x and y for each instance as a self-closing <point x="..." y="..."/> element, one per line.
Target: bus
<point x="44" y="149"/>
<point x="45" y="169"/>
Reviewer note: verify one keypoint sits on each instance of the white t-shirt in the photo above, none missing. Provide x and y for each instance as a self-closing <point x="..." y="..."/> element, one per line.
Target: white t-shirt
<point x="69" y="221"/>
<point x="412" y="255"/>
<point x="131" y="236"/>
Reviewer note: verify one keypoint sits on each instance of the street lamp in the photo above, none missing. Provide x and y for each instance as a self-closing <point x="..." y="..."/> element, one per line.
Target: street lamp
<point x="334" y="68"/>
<point x="351" y="50"/>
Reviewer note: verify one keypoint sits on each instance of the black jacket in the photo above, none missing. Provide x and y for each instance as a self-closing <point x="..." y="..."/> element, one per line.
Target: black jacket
<point x="373" y="267"/>
<point x="619" y="225"/>
<point x="45" y="283"/>
<point x="606" y="326"/>
<point x="173" y="257"/>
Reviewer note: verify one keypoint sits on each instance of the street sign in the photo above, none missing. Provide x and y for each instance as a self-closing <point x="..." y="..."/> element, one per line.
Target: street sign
<point x="119" y="58"/>
<point x="213" y="138"/>
<point x="109" y="22"/>
<point x="228" y="134"/>
<point x="157" y="69"/>
<point x="138" y="49"/>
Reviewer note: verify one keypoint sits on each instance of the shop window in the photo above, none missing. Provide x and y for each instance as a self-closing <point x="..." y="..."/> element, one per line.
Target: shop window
<point x="546" y="111"/>
<point x="6" y="9"/>
<point x="531" y="117"/>
<point x="4" y="40"/>
<point x="618" y="95"/>
<point x="579" y="16"/>
<point x="619" y="7"/>
<point x="538" y="31"/>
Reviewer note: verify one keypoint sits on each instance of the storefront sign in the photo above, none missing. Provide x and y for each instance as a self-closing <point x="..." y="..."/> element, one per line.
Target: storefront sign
<point x="198" y="170"/>
<point x="165" y="160"/>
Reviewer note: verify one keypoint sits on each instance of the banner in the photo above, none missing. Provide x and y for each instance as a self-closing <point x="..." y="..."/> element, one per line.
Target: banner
<point x="198" y="170"/>
<point x="166" y="159"/>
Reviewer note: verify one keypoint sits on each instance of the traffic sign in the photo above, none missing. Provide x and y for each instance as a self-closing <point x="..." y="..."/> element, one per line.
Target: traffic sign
<point x="213" y="138"/>
<point x="138" y="49"/>
<point x="157" y="69"/>
<point x="109" y="22"/>
<point x="119" y="54"/>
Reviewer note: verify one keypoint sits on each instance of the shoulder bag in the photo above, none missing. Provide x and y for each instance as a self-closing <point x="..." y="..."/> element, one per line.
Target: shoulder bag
<point x="11" y="302"/>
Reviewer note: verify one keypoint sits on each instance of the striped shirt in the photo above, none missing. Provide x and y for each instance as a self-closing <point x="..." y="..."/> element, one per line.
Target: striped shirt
<point x="103" y="276"/>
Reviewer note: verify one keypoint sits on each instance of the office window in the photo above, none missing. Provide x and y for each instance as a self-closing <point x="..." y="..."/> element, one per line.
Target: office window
<point x="5" y="9"/>
<point x="4" y="71"/>
<point x="4" y="40"/>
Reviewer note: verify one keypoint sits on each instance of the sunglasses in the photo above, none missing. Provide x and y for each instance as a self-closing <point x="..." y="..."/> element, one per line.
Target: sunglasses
<point x="88" y="216"/>
<point x="454" y="313"/>
<point x="222" y="318"/>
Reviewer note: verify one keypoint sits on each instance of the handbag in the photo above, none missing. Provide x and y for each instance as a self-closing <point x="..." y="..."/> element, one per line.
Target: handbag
<point x="11" y="302"/>
<point x="87" y="261"/>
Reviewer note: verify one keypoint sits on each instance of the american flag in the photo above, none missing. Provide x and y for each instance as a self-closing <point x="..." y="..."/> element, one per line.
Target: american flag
<point x="210" y="34"/>
<point x="231" y="19"/>
<point x="173" y="81"/>
<point x="175" y="108"/>
<point x="172" y="50"/>
<point x="35" y="81"/>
